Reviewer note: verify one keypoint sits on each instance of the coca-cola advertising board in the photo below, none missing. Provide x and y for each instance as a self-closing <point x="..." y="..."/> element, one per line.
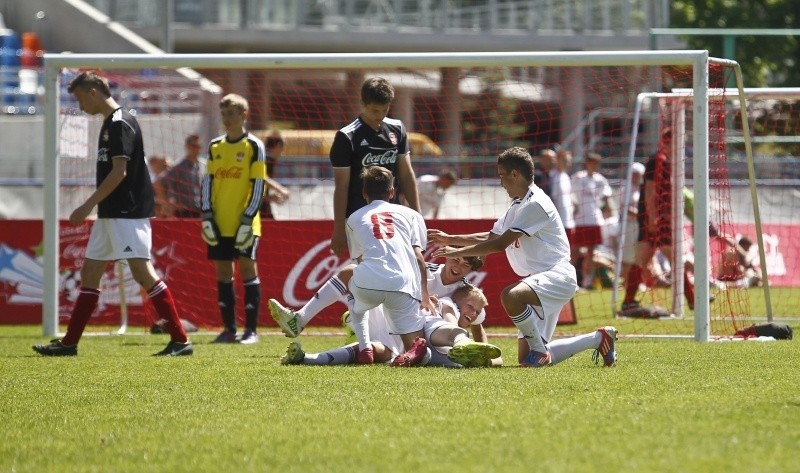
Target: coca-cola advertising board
<point x="294" y="260"/>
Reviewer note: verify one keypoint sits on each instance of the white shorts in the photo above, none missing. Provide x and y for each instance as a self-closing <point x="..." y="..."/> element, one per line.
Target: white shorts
<point x="629" y="241"/>
<point x="379" y="331"/>
<point x="555" y="288"/>
<point x="114" y="239"/>
<point x="400" y="309"/>
<point x="432" y="322"/>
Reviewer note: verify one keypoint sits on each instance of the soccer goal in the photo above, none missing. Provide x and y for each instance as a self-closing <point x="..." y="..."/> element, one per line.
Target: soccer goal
<point x="462" y="110"/>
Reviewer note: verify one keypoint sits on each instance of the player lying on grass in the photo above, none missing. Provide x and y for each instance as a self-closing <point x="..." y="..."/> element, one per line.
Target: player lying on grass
<point x="533" y="237"/>
<point x="443" y="279"/>
<point x="445" y="334"/>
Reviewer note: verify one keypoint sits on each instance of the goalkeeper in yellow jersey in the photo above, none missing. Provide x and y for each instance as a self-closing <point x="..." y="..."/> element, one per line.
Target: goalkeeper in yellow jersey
<point x="231" y="194"/>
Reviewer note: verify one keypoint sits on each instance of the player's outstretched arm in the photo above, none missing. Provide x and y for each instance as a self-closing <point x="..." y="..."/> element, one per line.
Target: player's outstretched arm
<point x="441" y="238"/>
<point x="493" y="244"/>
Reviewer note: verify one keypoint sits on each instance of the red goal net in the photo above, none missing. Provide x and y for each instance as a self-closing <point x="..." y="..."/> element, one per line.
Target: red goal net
<point x="461" y="118"/>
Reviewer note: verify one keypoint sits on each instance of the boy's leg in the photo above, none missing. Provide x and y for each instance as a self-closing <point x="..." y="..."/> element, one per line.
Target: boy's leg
<point x="334" y="289"/>
<point x="161" y="297"/>
<point x="91" y="273"/>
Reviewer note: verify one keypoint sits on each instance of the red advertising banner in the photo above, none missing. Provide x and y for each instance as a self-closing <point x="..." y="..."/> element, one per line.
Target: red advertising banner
<point x="291" y="269"/>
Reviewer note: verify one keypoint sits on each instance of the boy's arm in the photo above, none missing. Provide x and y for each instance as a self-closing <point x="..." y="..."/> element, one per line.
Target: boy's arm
<point x="111" y="181"/>
<point x="341" y="186"/>
<point x="408" y="181"/>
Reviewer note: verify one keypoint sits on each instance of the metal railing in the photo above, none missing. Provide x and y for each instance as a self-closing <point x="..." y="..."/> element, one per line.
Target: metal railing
<point x="556" y="16"/>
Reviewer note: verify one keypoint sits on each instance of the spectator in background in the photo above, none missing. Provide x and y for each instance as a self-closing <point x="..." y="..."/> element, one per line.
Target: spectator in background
<point x="372" y="139"/>
<point x="541" y="175"/>
<point x="431" y="191"/>
<point x="737" y="264"/>
<point x="158" y="166"/>
<point x="591" y="194"/>
<point x="655" y="222"/>
<point x="273" y="146"/>
<point x="182" y="182"/>
<point x="561" y="190"/>
<point x="631" y="222"/>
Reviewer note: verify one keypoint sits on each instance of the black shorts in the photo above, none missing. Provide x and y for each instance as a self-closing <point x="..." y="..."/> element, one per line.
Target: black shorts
<point x="225" y="251"/>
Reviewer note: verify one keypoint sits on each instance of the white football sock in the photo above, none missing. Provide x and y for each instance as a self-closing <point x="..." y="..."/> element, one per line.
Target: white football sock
<point x="337" y="356"/>
<point x="564" y="348"/>
<point x="527" y="327"/>
<point x="360" y="323"/>
<point x="333" y="290"/>
<point x="460" y="338"/>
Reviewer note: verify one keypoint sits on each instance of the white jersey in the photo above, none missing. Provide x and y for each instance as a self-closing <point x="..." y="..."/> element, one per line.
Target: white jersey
<point x="441" y="290"/>
<point x="383" y="235"/>
<point x="587" y="192"/>
<point x="561" y="193"/>
<point x="430" y="194"/>
<point x="542" y="244"/>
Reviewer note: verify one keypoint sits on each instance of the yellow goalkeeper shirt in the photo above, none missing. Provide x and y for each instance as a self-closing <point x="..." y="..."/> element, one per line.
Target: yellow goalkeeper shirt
<point x="234" y="183"/>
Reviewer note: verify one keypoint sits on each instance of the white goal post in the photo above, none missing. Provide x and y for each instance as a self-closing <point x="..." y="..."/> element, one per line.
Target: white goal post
<point x="697" y="60"/>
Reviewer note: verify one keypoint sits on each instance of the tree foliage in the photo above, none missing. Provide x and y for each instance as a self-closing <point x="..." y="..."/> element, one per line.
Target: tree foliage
<point x="765" y="60"/>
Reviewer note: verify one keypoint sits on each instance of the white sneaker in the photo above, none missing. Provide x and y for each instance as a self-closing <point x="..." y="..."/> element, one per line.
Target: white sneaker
<point x="286" y="319"/>
<point x="250" y="337"/>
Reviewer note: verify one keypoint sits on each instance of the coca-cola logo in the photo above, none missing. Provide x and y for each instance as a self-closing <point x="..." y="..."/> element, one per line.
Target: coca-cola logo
<point x="315" y="267"/>
<point x="230" y="173"/>
<point x="74" y="251"/>
<point x="388" y="157"/>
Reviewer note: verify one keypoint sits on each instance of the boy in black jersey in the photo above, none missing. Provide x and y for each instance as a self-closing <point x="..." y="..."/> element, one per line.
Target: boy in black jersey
<point x="231" y="195"/>
<point x="125" y="202"/>
<point x="372" y="139"/>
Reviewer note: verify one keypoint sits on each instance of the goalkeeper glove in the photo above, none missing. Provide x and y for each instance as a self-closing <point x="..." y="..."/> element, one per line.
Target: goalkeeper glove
<point x="244" y="235"/>
<point x="209" y="230"/>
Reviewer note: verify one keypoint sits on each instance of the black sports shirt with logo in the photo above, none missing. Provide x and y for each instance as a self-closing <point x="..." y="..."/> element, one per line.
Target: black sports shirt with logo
<point x="357" y="146"/>
<point x="133" y="197"/>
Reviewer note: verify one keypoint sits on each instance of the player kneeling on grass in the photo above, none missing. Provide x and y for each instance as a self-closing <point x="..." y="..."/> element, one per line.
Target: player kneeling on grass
<point x="387" y="240"/>
<point x="533" y="237"/>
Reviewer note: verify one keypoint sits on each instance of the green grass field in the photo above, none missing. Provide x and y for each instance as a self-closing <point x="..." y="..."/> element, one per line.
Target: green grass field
<point x="669" y="405"/>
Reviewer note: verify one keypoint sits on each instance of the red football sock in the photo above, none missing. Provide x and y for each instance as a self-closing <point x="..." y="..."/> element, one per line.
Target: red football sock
<point x="688" y="289"/>
<point x="632" y="283"/>
<point x="165" y="307"/>
<point x="81" y="312"/>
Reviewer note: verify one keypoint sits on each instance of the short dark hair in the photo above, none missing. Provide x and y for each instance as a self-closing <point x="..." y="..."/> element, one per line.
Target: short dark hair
<point x="517" y="159"/>
<point x="745" y="243"/>
<point x="378" y="182"/>
<point x="90" y="80"/>
<point x="377" y="90"/>
<point x="475" y="262"/>
<point x="273" y="141"/>
<point x="449" y="174"/>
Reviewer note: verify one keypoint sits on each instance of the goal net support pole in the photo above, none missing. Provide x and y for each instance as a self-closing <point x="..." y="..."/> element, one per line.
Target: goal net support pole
<point x="681" y="96"/>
